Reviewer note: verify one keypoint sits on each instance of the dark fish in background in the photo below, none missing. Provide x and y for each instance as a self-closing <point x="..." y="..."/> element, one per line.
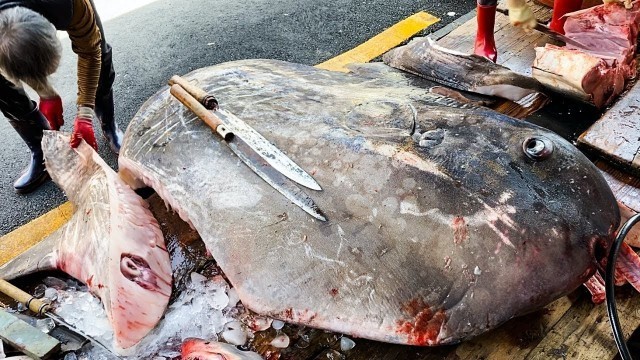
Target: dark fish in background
<point x="466" y="72"/>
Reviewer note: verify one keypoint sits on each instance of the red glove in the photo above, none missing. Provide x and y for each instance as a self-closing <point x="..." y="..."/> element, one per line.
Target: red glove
<point x="83" y="128"/>
<point x="51" y="108"/>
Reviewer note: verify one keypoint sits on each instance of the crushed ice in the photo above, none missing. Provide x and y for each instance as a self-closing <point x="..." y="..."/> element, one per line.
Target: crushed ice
<point x="280" y="341"/>
<point x="346" y="344"/>
<point x="205" y="309"/>
<point x="277" y="324"/>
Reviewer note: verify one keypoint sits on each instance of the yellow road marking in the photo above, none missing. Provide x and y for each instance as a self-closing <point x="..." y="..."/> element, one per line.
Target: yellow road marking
<point x="24" y="237"/>
<point x="381" y="43"/>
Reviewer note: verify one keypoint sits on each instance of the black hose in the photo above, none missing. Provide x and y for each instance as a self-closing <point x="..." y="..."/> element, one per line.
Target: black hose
<point x="610" y="288"/>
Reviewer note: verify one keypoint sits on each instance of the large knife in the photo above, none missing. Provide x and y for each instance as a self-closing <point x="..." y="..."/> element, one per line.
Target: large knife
<point x="257" y="142"/>
<point x="43" y="309"/>
<point x="250" y="157"/>
<point x="544" y="29"/>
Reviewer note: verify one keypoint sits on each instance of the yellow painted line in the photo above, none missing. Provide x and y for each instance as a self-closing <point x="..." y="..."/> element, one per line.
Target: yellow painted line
<point x="24" y="237"/>
<point x="381" y="43"/>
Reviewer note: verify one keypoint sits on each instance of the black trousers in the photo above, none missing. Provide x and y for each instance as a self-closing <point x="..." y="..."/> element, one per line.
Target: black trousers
<point x="15" y="103"/>
<point x="488" y="2"/>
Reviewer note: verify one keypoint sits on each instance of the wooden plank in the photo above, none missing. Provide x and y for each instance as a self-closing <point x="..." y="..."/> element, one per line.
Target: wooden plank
<point x="585" y="332"/>
<point x="626" y="189"/>
<point x="516" y="339"/>
<point x="616" y="135"/>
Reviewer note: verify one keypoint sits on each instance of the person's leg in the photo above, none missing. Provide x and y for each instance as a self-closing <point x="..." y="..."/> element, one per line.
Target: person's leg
<point x="104" y="96"/>
<point x="28" y="121"/>
<point x="485" y="42"/>
<point x="560" y="9"/>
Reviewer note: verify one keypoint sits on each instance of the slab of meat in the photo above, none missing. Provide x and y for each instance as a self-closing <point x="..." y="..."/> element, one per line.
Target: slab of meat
<point x="596" y="72"/>
<point x="578" y="74"/>
<point x="607" y="31"/>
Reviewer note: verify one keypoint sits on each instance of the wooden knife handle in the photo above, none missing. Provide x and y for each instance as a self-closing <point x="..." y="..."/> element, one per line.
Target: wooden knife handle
<point x="36" y="305"/>
<point x="209" y="101"/>
<point x="205" y="115"/>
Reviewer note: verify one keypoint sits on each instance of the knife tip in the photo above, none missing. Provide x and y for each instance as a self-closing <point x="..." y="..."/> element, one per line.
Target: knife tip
<point x="318" y="214"/>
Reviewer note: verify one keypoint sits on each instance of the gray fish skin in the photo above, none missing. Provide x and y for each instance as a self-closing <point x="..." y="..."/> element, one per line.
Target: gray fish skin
<point x="439" y="226"/>
<point x="112" y="243"/>
<point x="423" y="57"/>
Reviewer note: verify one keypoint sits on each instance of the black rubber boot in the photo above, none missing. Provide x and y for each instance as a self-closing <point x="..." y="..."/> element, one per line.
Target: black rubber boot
<point x="110" y="130"/>
<point x="31" y="127"/>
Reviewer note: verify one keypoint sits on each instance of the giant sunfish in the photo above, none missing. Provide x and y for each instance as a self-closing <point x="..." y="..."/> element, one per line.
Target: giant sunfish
<point x="444" y="220"/>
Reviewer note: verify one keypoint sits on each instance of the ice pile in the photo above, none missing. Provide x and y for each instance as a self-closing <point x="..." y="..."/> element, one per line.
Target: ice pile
<point x="207" y="308"/>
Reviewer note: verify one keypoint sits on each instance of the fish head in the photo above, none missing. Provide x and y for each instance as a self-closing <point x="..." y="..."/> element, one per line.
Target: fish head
<point x="198" y="349"/>
<point x="557" y="178"/>
<point x="550" y="212"/>
<point x="540" y="173"/>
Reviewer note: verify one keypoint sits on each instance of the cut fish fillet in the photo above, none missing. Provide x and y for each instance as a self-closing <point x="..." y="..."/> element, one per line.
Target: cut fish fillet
<point x="112" y="242"/>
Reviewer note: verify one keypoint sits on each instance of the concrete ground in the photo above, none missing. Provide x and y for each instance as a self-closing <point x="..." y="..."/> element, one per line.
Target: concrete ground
<point x="153" y="40"/>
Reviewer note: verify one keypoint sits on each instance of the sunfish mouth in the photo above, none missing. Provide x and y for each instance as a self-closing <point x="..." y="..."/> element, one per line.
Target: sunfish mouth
<point x="136" y="269"/>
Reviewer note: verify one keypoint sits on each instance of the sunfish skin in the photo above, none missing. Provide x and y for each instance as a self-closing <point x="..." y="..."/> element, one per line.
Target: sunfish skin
<point x="197" y="349"/>
<point x="439" y="227"/>
<point x="112" y="243"/>
<point x="424" y="57"/>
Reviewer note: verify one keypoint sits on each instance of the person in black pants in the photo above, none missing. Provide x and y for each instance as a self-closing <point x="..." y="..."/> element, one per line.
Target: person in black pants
<point x="29" y="52"/>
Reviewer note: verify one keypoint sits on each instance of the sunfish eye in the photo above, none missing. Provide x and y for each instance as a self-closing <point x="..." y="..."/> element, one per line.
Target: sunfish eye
<point x="538" y="147"/>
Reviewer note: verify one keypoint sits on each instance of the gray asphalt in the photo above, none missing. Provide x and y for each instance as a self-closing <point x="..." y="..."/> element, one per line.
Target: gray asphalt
<point x="170" y="37"/>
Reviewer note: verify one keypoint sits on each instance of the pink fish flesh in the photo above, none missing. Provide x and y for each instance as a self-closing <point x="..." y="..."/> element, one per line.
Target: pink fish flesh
<point x="197" y="349"/>
<point x="112" y="243"/>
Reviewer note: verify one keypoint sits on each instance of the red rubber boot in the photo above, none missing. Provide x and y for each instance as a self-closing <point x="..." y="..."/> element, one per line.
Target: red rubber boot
<point x="485" y="42"/>
<point x="560" y="9"/>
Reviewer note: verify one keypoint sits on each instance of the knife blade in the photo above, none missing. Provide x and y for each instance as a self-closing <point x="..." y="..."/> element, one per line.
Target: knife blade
<point x="249" y="156"/>
<point x="254" y="139"/>
<point x="43" y="309"/>
<point x="544" y="29"/>
<point x="62" y="322"/>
